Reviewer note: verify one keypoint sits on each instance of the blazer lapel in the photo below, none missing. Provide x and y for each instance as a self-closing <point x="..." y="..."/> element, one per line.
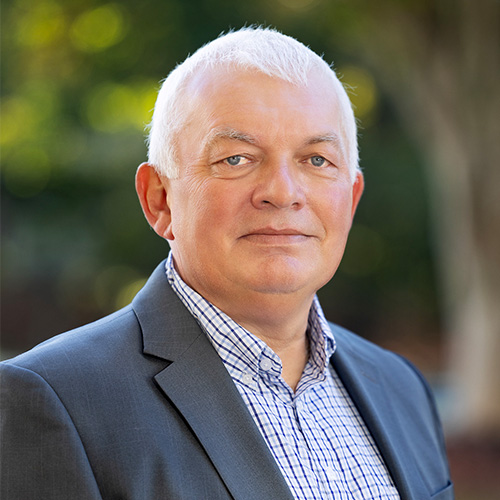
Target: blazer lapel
<point x="364" y="384"/>
<point x="198" y="384"/>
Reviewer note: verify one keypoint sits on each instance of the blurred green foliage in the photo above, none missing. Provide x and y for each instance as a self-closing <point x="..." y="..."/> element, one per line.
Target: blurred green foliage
<point x="79" y="79"/>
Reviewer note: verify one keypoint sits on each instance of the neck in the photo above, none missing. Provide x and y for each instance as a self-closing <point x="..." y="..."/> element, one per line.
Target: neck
<point x="294" y="354"/>
<point x="283" y="327"/>
<point x="278" y="319"/>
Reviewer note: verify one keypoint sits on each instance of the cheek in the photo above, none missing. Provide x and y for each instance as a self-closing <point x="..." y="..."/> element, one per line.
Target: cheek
<point x="337" y="226"/>
<point x="336" y="213"/>
<point x="224" y="200"/>
<point x="198" y="211"/>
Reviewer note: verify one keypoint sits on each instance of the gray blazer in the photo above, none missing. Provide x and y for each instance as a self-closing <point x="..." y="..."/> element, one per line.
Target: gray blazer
<point x="138" y="405"/>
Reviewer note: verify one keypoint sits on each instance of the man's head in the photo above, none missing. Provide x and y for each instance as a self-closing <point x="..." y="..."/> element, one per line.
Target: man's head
<point x="263" y="50"/>
<point x="260" y="206"/>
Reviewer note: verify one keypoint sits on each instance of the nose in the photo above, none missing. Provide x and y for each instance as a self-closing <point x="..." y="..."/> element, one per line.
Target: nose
<point x="279" y="186"/>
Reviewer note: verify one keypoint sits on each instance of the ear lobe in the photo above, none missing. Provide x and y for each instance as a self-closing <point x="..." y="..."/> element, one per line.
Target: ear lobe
<point x="357" y="191"/>
<point x="152" y="192"/>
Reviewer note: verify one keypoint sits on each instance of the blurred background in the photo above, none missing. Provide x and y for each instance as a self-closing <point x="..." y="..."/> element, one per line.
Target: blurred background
<point x="421" y="274"/>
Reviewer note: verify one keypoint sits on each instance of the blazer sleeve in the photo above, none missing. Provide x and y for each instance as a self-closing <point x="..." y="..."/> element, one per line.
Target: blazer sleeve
<point x="42" y="455"/>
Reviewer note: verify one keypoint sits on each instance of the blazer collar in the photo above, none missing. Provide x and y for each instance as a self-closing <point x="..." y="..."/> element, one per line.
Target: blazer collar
<point x="198" y="384"/>
<point x="362" y="379"/>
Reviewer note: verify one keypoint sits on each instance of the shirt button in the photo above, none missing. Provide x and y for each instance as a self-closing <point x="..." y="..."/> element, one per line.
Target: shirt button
<point x="247" y="378"/>
<point x="265" y="364"/>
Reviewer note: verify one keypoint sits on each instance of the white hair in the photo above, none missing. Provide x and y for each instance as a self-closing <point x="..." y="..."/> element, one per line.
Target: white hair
<point x="263" y="49"/>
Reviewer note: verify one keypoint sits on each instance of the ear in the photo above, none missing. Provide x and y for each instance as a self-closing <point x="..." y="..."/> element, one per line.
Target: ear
<point x="152" y="190"/>
<point x="357" y="191"/>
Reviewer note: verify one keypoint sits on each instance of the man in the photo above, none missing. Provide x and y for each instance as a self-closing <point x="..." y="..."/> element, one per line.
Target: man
<point x="222" y="379"/>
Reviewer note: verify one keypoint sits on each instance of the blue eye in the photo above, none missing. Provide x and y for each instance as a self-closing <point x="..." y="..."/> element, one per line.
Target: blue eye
<point x="234" y="160"/>
<point x="318" y="161"/>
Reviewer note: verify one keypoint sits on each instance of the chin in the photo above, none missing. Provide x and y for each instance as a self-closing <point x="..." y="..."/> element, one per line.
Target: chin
<point x="282" y="283"/>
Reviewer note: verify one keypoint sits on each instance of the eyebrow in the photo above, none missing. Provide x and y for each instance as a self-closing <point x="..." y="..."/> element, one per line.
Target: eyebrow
<point x="231" y="134"/>
<point x="329" y="138"/>
<point x="332" y="139"/>
<point x="236" y="135"/>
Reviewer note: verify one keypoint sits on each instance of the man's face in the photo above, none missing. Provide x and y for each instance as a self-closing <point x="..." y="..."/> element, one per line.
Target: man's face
<point x="264" y="200"/>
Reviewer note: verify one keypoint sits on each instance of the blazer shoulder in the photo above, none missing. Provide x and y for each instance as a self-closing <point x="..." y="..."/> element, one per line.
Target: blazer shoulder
<point x="86" y="344"/>
<point x="407" y="385"/>
<point x="387" y="361"/>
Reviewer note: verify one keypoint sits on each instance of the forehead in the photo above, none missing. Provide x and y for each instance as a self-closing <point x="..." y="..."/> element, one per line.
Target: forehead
<point x="228" y="80"/>
<point x="232" y="97"/>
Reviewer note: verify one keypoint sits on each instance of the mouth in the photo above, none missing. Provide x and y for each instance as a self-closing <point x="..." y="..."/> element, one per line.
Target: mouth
<point x="272" y="236"/>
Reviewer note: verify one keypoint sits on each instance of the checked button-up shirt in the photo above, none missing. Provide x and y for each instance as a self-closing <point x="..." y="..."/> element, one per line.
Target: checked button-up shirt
<point x="315" y="434"/>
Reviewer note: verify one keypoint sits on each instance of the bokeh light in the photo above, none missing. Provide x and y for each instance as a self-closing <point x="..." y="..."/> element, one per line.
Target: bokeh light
<point x="42" y="23"/>
<point x="114" y="107"/>
<point x="99" y="28"/>
<point x="18" y="120"/>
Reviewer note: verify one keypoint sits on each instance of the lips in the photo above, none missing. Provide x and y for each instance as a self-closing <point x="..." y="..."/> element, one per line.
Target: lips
<point x="272" y="231"/>
<point x="269" y="235"/>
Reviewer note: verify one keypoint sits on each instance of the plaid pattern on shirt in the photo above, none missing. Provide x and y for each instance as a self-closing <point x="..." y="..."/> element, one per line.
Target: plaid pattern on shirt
<point x="316" y="434"/>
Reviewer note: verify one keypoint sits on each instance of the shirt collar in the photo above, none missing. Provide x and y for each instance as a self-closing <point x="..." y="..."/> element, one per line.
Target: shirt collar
<point x="240" y="350"/>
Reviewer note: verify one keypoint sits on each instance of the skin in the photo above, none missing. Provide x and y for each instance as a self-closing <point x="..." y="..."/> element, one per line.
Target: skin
<point x="259" y="216"/>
